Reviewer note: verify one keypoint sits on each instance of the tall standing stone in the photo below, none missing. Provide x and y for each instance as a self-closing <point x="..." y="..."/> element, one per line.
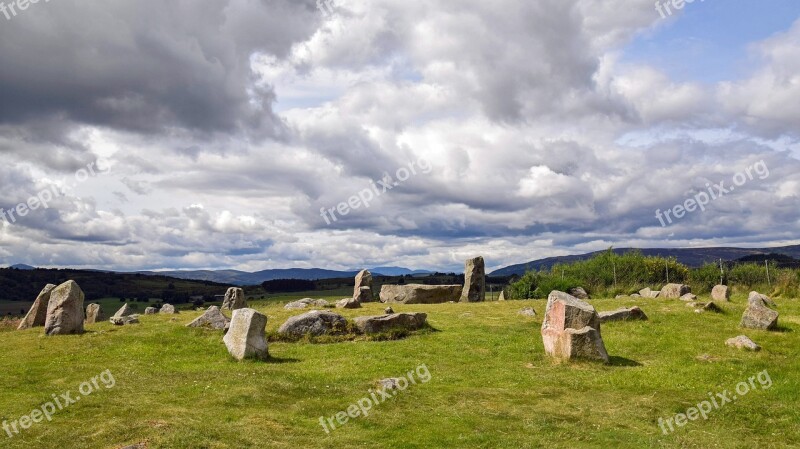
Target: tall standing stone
<point x="474" y="281"/>
<point x="246" y="337"/>
<point x="234" y="299"/>
<point x="571" y="329"/>
<point x="37" y="316"/>
<point x="363" y="288"/>
<point x="93" y="314"/>
<point x="65" y="310"/>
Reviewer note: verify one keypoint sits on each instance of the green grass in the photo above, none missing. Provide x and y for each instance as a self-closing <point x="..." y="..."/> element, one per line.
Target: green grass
<point x="491" y="387"/>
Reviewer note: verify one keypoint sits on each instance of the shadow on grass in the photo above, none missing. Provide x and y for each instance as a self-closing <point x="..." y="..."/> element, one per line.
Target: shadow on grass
<point x="622" y="361"/>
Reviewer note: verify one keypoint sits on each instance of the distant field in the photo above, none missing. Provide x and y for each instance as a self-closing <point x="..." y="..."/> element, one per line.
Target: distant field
<point x="491" y="385"/>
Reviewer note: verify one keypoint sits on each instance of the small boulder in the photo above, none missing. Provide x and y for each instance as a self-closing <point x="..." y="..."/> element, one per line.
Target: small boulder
<point x="246" y="338"/>
<point x="711" y="307"/>
<point x="388" y="311"/>
<point x="168" y="309"/>
<point x="758" y="298"/>
<point x="314" y="323"/>
<point x="124" y="320"/>
<point x="65" y="310"/>
<point x="234" y="299"/>
<point x="648" y="293"/>
<point x="213" y="318"/>
<point x="578" y="292"/>
<point x="721" y="293"/>
<point x="150" y="311"/>
<point x="571" y="329"/>
<point x="94" y="314"/>
<point x="674" y="291"/>
<point x="37" y="315"/>
<point x="689" y="297"/>
<point x="634" y="313"/>
<point x="759" y="316"/>
<point x="742" y="342"/>
<point x="636" y="295"/>
<point x="385" y="323"/>
<point x="305" y="303"/>
<point x="348" y="303"/>
<point x="528" y="311"/>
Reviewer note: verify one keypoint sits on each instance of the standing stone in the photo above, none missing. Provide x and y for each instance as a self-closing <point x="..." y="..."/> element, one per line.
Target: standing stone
<point x="474" y="280"/>
<point x="123" y="311"/>
<point x="168" y="309"/>
<point x="234" y="299"/>
<point x="721" y="293"/>
<point x="37" y="315"/>
<point x="246" y="338"/>
<point x="363" y="288"/>
<point x="502" y="295"/>
<point x="213" y="318"/>
<point x="571" y="329"/>
<point x="150" y="311"/>
<point x="760" y="299"/>
<point x="65" y="310"/>
<point x="674" y="291"/>
<point x="93" y="314"/>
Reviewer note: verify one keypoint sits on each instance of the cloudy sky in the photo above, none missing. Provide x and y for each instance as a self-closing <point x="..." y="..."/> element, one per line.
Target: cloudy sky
<point x="211" y="133"/>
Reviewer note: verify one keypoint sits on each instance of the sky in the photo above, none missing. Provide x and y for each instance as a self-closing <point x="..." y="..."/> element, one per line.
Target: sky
<point x="258" y="134"/>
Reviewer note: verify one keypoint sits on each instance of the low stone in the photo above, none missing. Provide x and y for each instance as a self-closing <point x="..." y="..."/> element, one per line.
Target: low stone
<point x="721" y="293"/>
<point x="124" y="320"/>
<point x="246" y="338"/>
<point x="634" y="313"/>
<point x="168" y="309"/>
<point x="759" y="316"/>
<point x="689" y="297"/>
<point x="388" y="311"/>
<point x="636" y="295"/>
<point x="578" y="292"/>
<point x="571" y="329"/>
<point x="758" y="298"/>
<point x="213" y="318"/>
<point x="392" y="383"/>
<point x="420" y="294"/>
<point x="305" y="303"/>
<point x="648" y="293"/>
<point x="348" y="303"/>
<point x="674" y="291"/>
<point x="234" y="299"/>
<point x="94" y="314"/>
<point x="385" y="323"/>
<point x="37" y="315"/>
<point x="502" y="296"/>
<point x="314" y="323"/>
<point x="65" y="310"/>
<point x="711" y="307"/>
<point x="150" y="311"/>
<point x="527" y="311"/>
<point x="742" y="342"/>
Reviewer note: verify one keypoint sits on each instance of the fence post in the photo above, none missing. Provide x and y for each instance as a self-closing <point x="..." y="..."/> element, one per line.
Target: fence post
<point x="666" y="265"/>
<point x="721" y="272"/>
<point x="766" y="262"/>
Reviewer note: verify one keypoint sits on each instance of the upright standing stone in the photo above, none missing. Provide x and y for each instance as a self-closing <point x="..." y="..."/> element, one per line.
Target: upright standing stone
<point x="246" y="337"/>
<point x="721" y="293"/>
<point x="93" y="314"/>
<point x="363" y="288"/>
<point x="674" y="291"/>
<point x="234" y="299"/>
<point x="65" y="310"/>
<point x="502" y="295"/>
<point x="474" y="280"/>
<point x="168" y="309"/>
<point x="37" y="316"/>
<point x="571" y="329"/>
<point x="759" y="316"/>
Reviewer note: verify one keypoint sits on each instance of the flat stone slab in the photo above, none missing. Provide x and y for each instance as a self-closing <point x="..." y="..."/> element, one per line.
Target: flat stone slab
<point x="420" y="294"/>
<point x="385" y="323"/>
<point x="632" y="314"/>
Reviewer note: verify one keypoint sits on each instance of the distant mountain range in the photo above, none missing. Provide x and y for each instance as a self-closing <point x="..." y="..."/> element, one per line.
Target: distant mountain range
<point x="309" y="274"/>
<point x="692" y="257"/>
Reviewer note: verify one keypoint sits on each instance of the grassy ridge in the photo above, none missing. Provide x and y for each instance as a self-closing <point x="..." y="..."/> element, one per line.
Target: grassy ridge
<point x="491" y="384"/>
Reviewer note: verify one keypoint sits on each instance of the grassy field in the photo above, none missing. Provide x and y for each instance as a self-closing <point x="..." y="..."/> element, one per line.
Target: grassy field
<point x="491" y="385"/>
